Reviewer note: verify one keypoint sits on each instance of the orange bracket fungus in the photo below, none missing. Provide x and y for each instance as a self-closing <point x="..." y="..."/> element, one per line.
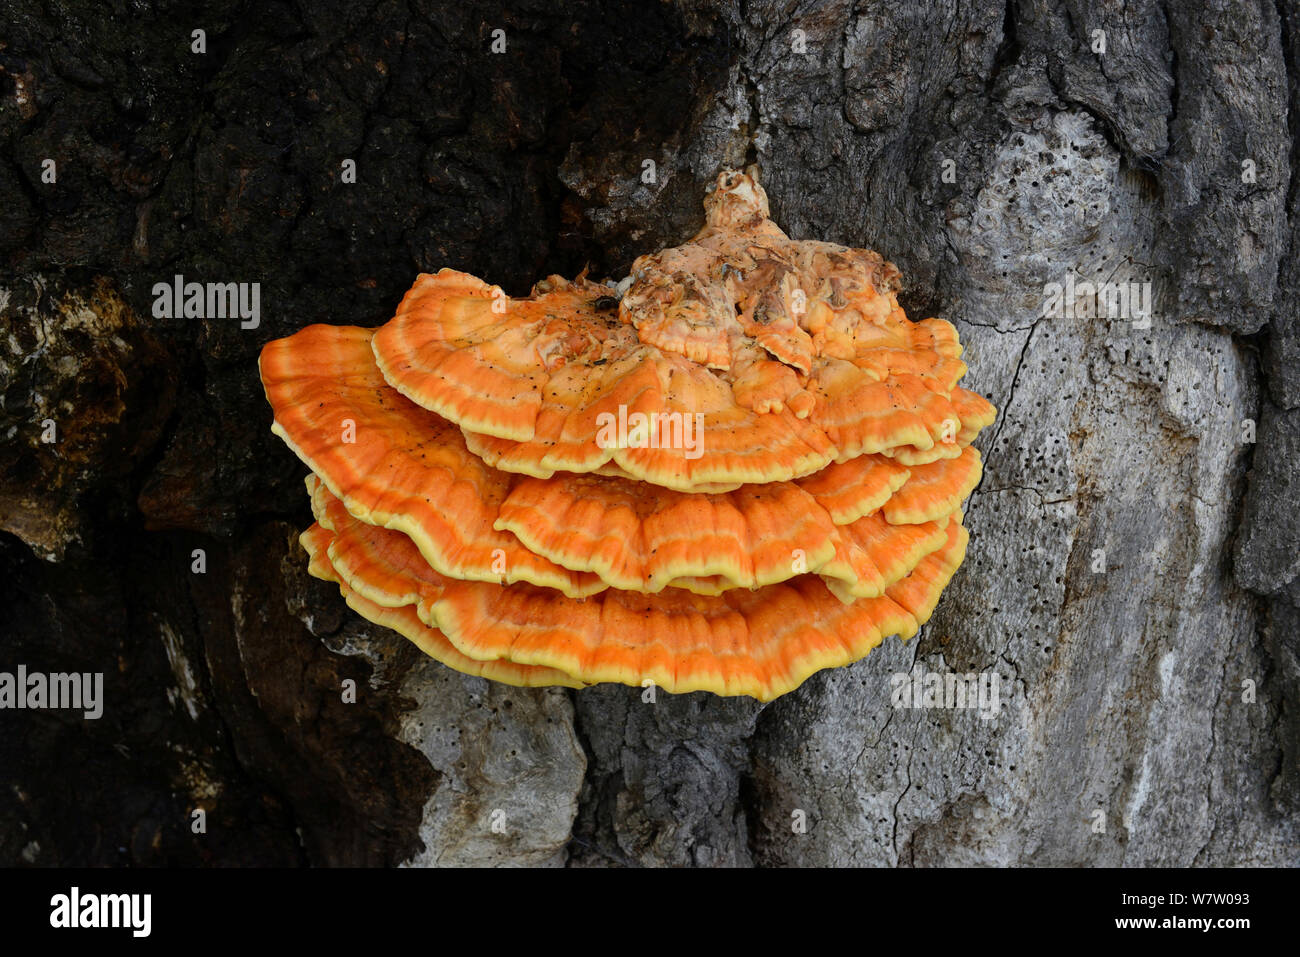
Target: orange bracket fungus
<point x="746" y="468"/>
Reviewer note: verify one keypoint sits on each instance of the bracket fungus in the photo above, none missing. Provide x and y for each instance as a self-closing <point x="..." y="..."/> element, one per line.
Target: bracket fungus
<point x="752" y="469"/>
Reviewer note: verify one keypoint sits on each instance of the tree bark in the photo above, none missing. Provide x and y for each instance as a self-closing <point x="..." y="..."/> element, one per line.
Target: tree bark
<point x="1133" y="577"/>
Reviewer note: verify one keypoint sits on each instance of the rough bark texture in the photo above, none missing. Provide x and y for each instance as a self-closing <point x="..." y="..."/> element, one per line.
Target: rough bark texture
<point x="1134" y="572"/>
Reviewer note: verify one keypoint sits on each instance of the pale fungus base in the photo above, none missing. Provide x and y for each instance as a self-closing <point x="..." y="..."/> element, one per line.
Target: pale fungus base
<point x="748" y="469"/>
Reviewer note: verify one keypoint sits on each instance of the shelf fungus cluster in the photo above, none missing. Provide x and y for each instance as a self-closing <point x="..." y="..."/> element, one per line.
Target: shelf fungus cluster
<point x="740" y="466"/>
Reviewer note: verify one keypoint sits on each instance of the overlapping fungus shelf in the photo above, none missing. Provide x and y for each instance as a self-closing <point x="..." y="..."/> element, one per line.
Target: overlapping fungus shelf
<point x="746" y="468"/>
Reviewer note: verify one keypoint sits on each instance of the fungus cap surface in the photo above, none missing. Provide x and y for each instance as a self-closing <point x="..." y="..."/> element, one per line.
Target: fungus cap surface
<point x="399" y="466"/>
<point x="749" y="467"/>
<point x="761" y="643"/>
<point x="404" y="620"/>
<point x="741" y="356"/>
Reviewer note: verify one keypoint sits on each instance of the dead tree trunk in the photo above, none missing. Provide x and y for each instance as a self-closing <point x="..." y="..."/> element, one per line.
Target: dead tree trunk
<point x="1099" y="196"/>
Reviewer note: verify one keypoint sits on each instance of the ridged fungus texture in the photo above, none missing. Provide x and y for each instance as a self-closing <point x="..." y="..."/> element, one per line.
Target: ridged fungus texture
<point x="747" y="467"/>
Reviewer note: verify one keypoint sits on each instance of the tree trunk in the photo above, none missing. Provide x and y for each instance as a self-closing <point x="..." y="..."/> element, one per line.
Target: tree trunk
<point x="1133" y="577"/>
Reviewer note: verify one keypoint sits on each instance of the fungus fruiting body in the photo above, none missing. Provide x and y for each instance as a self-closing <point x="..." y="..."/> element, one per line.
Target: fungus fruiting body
<point x="749" y="470"/>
